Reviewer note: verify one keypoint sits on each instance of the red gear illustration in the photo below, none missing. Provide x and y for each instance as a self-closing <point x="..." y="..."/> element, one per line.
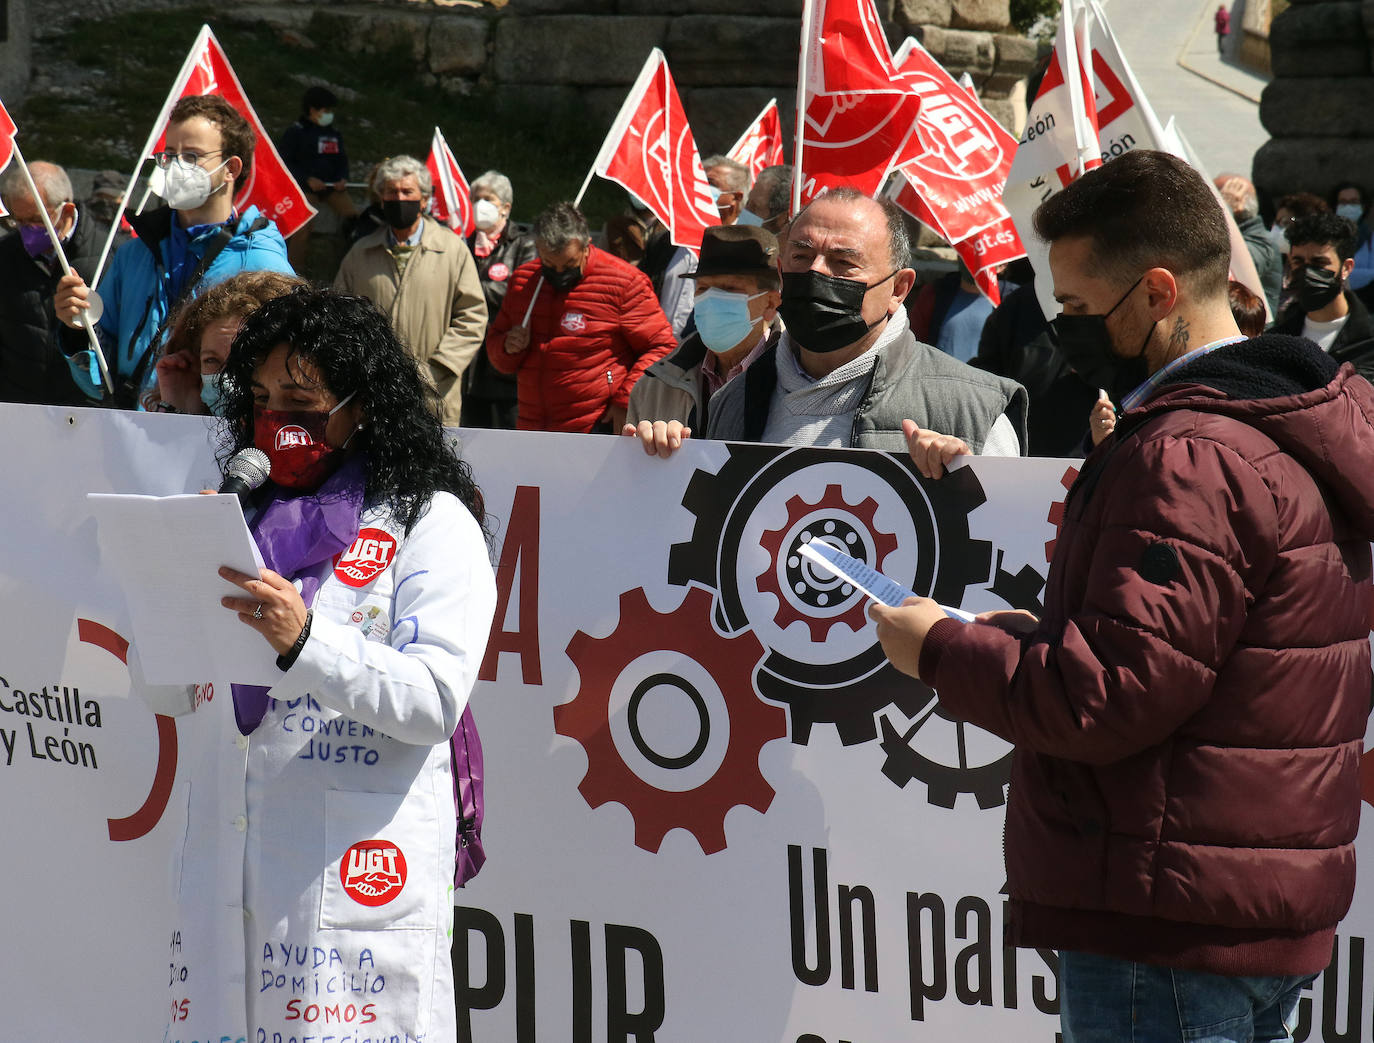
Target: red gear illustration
<point x="772" y="541"/>
<point x="731" y="662"/>
<point x="1056" y="515"/>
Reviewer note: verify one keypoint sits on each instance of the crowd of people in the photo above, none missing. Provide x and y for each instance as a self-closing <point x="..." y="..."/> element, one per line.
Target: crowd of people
<point x="549" y="325"/>
<point x="1204" y="641"/>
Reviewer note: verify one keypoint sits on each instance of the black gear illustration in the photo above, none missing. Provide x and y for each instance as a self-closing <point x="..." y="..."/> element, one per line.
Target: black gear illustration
<point x="847" y="694"/>
<point x="1019" y="589"/>
<point x="944" y="782"/>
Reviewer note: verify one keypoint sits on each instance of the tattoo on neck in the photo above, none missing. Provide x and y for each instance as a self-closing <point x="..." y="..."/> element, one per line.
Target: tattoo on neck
<point x="1178" y="339"/>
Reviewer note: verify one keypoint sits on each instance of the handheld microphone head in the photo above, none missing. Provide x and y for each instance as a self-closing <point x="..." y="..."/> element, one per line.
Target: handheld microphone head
<point x="251" y="466"/>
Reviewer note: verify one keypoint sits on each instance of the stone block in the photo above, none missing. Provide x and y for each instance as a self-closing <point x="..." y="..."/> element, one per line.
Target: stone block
<point x="372" y="32"/>
<point x="1016" y="55"/>
<point x="457" y="46"/>
<point x="577" y="50"/>
<point x="1319" y="107"/>
<point x="719" y="115"/>
<point x="1308" y="164"/>
<point x="530" y="7"/>
<point x="765" y="8"/>
<point x="1004" y="111"/>
<point x="720" y="50"/>
<point x="910" y="13"/>
<point x="980" y="14"/>
<point x="1325" y="39"/>
<point x="960" y="51"/>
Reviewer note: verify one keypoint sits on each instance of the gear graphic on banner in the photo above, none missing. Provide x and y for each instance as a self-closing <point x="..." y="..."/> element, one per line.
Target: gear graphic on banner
<point x="807" y="593"/>
<point x="671" y="662"/>
<point x="749" y="517"/>
<point x="1057" y="509"/>
<point x="949" y="756"/>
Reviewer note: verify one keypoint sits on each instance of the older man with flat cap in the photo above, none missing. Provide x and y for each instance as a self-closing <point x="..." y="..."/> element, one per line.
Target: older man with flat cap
<point x="737" y="297"/>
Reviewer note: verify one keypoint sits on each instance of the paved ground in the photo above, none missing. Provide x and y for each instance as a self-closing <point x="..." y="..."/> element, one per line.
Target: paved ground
<point x="1215" y="102"/>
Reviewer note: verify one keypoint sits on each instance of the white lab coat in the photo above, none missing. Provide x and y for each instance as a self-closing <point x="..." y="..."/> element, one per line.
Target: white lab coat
<point x="286" y="930"/>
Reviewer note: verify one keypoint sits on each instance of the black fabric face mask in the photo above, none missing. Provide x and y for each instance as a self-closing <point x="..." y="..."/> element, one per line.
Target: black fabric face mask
<point x="561" y="281"/>
<point x="1086" y="344"/>
<point x="1316" y="287"/>
<point x="823" y="312"/>
<point x="400" y="213"/>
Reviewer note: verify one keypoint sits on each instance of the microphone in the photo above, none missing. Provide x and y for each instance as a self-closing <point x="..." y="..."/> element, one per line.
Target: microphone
<point x="247" y="469"/>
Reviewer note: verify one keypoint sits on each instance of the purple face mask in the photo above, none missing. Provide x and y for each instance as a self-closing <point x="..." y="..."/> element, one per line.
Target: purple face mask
<point x="35" y="240"/>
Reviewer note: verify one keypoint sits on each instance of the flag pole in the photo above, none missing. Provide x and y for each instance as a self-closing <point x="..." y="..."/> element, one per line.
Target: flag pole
<point x="803" y="69"/>
<point x="42" y="206"/>
<point x="586" y="183"/>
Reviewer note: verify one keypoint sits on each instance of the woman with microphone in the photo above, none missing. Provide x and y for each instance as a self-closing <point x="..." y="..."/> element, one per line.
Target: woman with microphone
<point x="316" y="877"/>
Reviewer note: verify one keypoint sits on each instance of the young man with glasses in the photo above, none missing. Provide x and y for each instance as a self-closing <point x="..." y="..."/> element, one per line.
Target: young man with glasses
<point x="196" y="240"/>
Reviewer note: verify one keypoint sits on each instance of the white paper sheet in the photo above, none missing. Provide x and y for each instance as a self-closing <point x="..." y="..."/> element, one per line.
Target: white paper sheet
<point x="869" y="582"/>
<point x="165" y="552"/>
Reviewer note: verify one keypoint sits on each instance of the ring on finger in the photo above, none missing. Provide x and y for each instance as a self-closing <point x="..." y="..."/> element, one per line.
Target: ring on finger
<point x="257" y="612"/>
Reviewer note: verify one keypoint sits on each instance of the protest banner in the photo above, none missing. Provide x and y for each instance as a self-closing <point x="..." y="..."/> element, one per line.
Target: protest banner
<point x="954" y="183"/>
<point x="270" y="186"/>
<point x="651" y="153"/>
<point x="712" y="810"/>
<point x="761" y="145"/>
<point x="452" y="199"/>
<point x="855" y="115"/>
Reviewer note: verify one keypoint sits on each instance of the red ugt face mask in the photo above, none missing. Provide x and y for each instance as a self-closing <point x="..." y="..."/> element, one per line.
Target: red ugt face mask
<point x="294" y="442"/>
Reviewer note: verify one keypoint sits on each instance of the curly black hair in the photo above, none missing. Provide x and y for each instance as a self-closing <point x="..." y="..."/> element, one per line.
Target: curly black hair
<point x="355" y="352"/>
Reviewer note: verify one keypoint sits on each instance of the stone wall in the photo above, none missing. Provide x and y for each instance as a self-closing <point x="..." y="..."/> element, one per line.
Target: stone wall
<point x="574" y="59"/>
<point x="1319" y="108"/>
<point x="15" y="39"/>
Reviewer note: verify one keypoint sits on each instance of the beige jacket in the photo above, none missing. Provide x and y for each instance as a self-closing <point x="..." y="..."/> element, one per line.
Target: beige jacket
<point x="436" y="305"/>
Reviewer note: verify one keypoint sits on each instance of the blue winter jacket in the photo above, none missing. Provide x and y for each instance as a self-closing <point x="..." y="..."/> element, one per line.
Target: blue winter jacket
<point x="145" y="279"/>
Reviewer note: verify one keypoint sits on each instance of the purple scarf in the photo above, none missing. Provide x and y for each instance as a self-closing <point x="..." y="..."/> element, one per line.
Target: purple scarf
<point x="299" y="537"/>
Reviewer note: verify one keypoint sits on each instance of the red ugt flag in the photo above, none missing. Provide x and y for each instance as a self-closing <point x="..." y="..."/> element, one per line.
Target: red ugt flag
<point x="854" y="111"/>
<point x="270" y="187"/>
<point x="452" y="199"/>
<point x="761" y="145"/>
<point x="7" y="132"/>
<point x="650" y="151"/>
<point x="958" y="164"/>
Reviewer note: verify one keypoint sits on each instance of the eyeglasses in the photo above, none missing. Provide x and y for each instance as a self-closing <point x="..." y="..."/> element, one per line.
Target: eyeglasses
<point x="165" y="157"/>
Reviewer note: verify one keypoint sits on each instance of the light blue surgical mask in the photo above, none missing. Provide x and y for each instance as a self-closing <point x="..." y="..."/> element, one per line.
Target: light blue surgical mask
<point x="723" y="318"/>
<point x="1350" y="211"/>
<point x="748" y="217"/>
<point x="326" y="118"/>
<point x="212" y="392"/>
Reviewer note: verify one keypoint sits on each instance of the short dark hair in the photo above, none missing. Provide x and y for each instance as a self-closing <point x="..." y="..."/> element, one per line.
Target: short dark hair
<point x="559" y="225"/>
<point x="1341" y="186"/>
<point x="898" y="239"/>
<point x="1301" y="204"/>
<point x="1324" y="229"/>
<point x="236" y="133"/>
<point x="1144" y="210"/>
<point x="317" y="96"/>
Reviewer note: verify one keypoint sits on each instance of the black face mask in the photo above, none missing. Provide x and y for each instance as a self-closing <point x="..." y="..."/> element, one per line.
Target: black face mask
<point x="823" y="312"/>
<point x="1316" y="287"/>
<point x="561" y="281"/>
<point x="400" y="213"/>
<point x="1086" y="344"/>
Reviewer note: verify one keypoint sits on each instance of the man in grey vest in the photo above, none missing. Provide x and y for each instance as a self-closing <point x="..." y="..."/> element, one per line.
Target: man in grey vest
<point x="848" y="371"/>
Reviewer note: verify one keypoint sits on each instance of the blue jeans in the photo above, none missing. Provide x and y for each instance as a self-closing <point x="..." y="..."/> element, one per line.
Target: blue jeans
<point x="1103" y="1000"/>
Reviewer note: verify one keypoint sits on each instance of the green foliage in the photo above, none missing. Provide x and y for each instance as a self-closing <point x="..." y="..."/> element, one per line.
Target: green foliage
<point x="1025" y="13"/>
<point x="546" y="154"/>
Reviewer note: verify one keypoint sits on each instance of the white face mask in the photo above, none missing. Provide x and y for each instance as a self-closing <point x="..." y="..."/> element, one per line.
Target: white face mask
<point x="187" y="186"/>
<point x="326" y="118"/>
<point x="487" y="214"/>
<point x="1350" y="211"/>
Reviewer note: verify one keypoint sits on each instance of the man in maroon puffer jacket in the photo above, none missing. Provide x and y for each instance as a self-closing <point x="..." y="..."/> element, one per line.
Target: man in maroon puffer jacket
<point x="594" y="328"/>
<point x="1189" y="714"/>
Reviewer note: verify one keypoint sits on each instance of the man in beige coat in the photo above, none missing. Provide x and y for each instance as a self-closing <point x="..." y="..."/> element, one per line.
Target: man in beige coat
<point x="423" y="276"/>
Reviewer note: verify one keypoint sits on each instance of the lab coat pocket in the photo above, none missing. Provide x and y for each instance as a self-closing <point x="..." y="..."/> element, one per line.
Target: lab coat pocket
<point x="381" y="854"/>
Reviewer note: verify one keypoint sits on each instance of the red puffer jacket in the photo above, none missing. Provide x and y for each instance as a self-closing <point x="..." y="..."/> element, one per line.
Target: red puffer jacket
<point x="1189" y="716"/>
<point x="588" y="346"/>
